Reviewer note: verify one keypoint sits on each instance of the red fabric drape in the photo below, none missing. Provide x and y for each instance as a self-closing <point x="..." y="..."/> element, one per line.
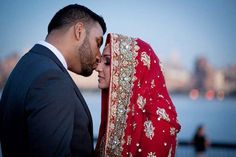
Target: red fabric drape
<point x="138" y="116"/>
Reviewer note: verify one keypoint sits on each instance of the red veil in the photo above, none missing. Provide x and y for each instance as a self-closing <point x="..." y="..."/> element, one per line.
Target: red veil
<point x="138" y="117"/>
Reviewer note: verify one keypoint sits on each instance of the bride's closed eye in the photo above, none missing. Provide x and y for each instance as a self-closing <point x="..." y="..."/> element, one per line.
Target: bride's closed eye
<point x="107" y="61"/>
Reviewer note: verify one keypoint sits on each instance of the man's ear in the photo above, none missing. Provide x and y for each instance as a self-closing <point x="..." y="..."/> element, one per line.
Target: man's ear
<point x="79" y="30"/>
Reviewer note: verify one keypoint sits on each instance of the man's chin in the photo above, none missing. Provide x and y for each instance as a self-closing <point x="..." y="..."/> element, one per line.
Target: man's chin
<point x="87" y="73"/>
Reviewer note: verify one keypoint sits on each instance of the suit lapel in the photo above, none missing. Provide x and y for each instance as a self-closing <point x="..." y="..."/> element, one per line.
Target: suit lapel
<point x="78" y="93"/>
<point x="42" y="50"/>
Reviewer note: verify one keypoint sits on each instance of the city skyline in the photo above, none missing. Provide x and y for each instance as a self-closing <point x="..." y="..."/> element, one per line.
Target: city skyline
<point x="177" y="30"/>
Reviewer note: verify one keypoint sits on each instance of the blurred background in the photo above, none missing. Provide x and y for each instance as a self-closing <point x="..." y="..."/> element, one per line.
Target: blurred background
<point x="194" y="39"/>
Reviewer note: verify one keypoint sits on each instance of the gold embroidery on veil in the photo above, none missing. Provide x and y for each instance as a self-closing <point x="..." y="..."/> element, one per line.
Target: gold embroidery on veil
<point x="122" y="78"/>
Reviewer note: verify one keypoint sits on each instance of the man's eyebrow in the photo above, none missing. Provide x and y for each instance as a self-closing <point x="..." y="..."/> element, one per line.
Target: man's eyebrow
<point x="100" y="41"/>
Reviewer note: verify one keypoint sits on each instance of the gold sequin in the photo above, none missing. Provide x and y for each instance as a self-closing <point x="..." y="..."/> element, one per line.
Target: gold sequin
<point x="141" y="102"/>
<point x="129" y="139"/>
<point x="151" y="154"/>
<point x="149" y="129"/>
<point x="153" y="84"/>
<point x="172" y="131"/>
<point x="161" y="66"/>
<point x="161" y="112"/>
<point x="134" y="126"/>
<point x="169" y="154"/>
<point x="145" y="59"/>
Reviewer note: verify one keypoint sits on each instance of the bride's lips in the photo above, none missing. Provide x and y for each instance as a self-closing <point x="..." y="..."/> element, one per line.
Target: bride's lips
<point x="100" y="78"/>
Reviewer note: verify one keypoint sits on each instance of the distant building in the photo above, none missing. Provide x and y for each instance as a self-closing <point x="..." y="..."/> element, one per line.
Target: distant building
<point x="177" y="78"/>
<point x="230" y="80"/>
<point x="203" y="76"/>
<point x="219" y="81"/>
<point x="6" y="66"/>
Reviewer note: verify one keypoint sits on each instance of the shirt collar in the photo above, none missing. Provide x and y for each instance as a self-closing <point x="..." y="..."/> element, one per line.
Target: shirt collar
<point x="55" y="51"/>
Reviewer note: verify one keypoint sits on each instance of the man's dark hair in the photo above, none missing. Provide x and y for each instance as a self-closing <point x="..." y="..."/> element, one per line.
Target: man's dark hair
<point x="75" y="13"/>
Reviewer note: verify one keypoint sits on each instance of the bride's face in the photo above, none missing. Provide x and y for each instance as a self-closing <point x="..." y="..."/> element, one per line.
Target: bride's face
<point x="103" y="69"/>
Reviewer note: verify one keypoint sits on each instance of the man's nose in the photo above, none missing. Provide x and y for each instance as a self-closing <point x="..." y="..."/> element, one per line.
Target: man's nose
<point x="98" y="60"/>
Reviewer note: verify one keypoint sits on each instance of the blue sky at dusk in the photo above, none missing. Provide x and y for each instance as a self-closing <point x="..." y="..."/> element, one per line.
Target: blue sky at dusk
<point x="181" y="29"/>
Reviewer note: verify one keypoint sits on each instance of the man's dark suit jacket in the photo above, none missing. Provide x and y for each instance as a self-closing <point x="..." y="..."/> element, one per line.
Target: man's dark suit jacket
<point x="42" y="112"/>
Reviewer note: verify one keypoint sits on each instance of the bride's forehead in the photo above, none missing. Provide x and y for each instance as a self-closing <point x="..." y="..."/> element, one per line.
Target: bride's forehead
<point x="106" y="50"/>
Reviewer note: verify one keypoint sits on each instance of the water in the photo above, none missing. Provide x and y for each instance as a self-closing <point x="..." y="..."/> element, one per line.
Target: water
<point x="217" y="116"/>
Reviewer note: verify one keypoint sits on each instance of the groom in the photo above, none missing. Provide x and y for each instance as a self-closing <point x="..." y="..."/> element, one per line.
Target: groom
<point x="42" y="112"/>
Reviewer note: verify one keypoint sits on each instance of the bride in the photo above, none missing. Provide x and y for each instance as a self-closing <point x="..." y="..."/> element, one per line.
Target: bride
<point x="138" y="117"/>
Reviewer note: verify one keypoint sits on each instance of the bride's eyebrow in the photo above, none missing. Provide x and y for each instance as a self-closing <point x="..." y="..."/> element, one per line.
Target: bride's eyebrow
<point x="106" y="55"/>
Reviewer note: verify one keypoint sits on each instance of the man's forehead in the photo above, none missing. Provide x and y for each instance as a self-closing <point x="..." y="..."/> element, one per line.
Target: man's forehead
<point x="98" y="29"/>
<point x="97" y="32"/>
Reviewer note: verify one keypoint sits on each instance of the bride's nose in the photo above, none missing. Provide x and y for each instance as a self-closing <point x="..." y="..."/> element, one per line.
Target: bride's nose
<point x="99" y="67"/>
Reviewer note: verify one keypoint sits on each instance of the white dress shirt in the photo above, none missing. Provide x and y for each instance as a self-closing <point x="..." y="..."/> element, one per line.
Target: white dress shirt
<point x="55" y="51"/>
